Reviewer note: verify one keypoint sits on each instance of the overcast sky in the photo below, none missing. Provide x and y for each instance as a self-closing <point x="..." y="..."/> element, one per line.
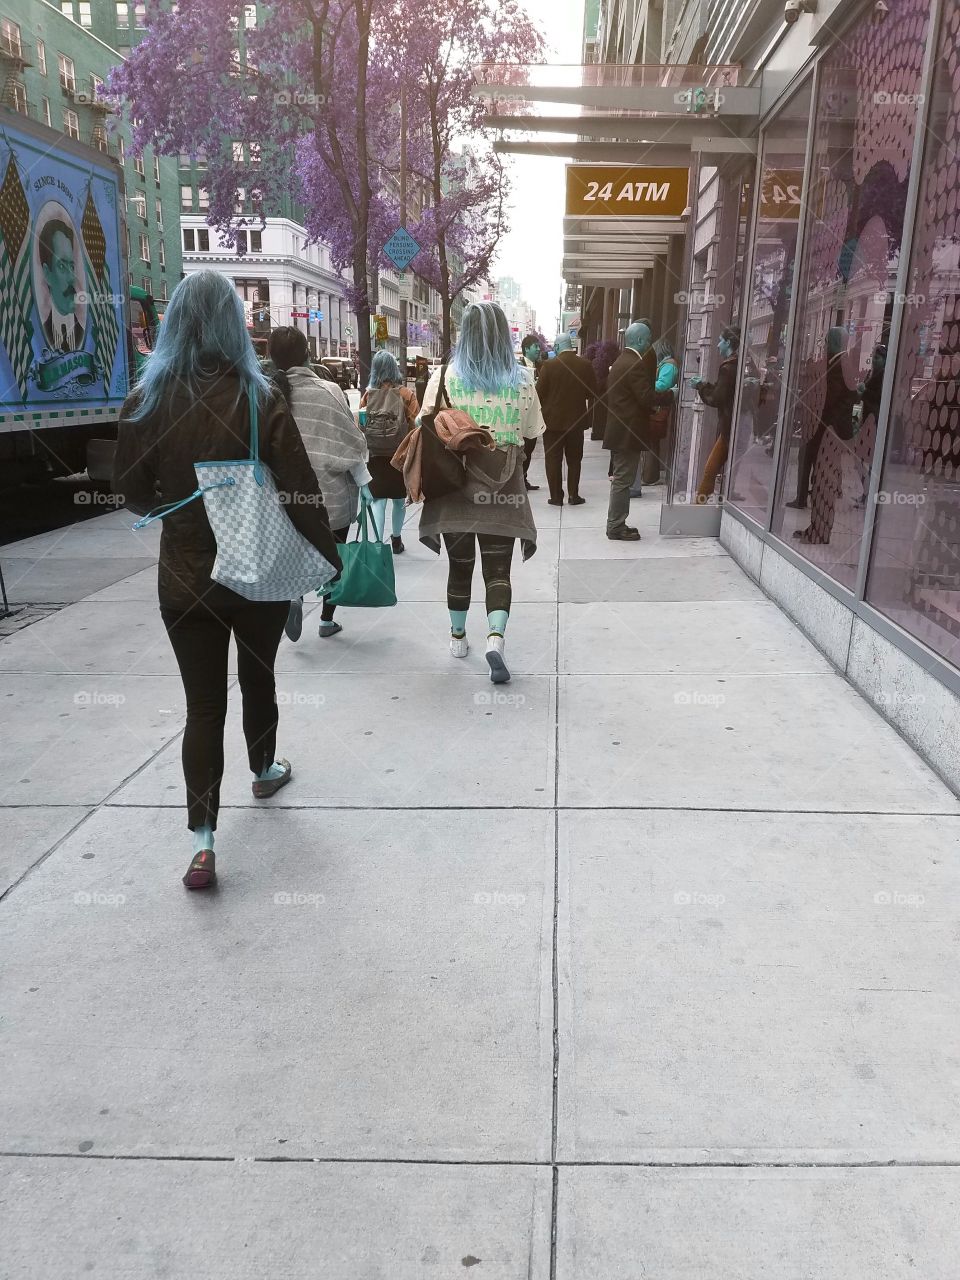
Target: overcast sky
<point x="533" y="250"/>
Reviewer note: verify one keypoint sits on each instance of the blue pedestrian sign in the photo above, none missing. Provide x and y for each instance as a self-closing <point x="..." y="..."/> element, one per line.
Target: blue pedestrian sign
<point x="401" y="248"/>
<point x="315" y="314"/>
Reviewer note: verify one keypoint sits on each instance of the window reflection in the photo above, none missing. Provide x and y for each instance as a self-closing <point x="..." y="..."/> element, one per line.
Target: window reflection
<point x="865" y="121"/>
<point x="915" y="562"/>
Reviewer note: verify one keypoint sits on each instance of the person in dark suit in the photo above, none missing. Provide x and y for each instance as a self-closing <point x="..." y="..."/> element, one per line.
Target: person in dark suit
<point x="631" y="394"/>
<point x="566" y="387"/>
<point x="837" y="413"/>
<point x="62" y="331"/>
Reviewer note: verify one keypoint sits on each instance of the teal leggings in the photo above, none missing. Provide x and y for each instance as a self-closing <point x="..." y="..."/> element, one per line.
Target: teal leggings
<point x="396" y="515"/>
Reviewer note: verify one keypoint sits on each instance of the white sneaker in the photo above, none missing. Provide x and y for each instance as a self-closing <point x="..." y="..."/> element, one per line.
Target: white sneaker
<point x="459" y="646"/>
<point x="498" y="667"/>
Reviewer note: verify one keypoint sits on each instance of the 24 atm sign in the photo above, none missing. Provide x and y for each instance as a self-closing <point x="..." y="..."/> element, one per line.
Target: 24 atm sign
<point x="600" y="191"/>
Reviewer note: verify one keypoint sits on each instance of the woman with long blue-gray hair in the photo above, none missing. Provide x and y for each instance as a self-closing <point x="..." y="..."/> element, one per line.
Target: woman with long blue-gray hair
<point x="388" y="411"/>
<point x="193" y="405"/>
<point x="491" y="510"/>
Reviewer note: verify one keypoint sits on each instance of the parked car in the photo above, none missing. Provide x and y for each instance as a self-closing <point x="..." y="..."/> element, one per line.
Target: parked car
<point x="342" y="370"/>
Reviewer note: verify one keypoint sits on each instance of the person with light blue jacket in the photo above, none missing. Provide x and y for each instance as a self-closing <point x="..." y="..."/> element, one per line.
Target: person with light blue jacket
<point x="668" y="375"/>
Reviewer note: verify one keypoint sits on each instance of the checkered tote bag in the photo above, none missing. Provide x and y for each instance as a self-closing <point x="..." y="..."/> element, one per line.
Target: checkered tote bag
<point x="260" y="554"/>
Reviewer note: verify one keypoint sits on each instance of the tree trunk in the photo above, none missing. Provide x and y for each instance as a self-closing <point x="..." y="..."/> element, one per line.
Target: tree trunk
<point x="363" y="315"/>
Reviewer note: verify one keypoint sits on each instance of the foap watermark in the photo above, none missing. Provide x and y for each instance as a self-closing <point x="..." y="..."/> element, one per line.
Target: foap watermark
<point x="894" y="898"/>
<point x="300" y="699"/>
<point x="95" y="498"/>
<point x="697" y="698"/>
<point x="98" y="698"/>
<point x="893" y="98"/>
<point x="493" y="698"/>
<point x="900" y="299"/>
<point x="92" y="898"/>
<point x="694" y="898"/>
<point x="300" y="98"/>
<point x="298" y="899"/>
<point x="698" y="298"/>
<point x="498" y="899"/>
<point x="893" y="698"/>
<point x="897" y="498"/>
<point x="299" y="499"/>
<point x="485" y="498"/>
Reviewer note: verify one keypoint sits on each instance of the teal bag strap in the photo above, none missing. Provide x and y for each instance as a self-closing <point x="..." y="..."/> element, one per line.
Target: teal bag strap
<point x="168" y="510"/>
<point x="365" y="514"/>
<point x="255" y="434"/>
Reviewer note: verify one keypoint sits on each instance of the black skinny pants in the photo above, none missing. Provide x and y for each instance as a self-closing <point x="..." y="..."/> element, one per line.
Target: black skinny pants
<point x="558" y="445"/>
<point x="327" y="610"/>
<point x="495" y="556"/>
<point x="201" y="642"/>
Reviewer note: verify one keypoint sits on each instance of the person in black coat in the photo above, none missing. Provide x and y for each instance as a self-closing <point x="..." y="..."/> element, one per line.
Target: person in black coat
<point x="631" y="394"/>
<point x="719" y="395"/>
<point x="566" y="387"/>
<point x="837" y="413"/>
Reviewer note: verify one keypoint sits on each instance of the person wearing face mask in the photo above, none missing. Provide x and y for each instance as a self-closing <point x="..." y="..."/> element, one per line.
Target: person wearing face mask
<point x="566" y="387"/>
<point x="532" y="357"/>
<point x="837" y="413"/>
<point x="631" y="394"/>
<point x="719" y="395"/>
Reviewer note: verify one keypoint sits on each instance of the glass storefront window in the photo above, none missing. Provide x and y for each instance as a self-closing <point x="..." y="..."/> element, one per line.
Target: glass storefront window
<point x="866" y="114"/>
<point x="914" y="573"/>
<point x="764" y="330"/>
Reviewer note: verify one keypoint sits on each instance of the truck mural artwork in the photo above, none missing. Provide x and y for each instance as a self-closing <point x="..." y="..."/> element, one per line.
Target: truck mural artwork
<point x="62" y="329"/>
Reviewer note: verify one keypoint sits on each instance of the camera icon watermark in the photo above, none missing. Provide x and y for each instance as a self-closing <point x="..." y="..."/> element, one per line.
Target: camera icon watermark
<point x="98" y="698"/>
<point x="488" y="498"/>
<point x="493" y="698"/>
<point x="300" y="98"/>
<point x="300" y="699"/>
<point x="885" y="98"/>
<point x="498" y="899"/>
<point x="894" y="898"/>
<point x="95" y="498"/>
<point x="693" y="898"/>
<point x="695" y="698"/>
<point x="897" y="498"/>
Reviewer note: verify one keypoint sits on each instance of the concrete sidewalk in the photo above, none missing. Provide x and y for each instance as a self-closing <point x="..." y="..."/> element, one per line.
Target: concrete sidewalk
<point x="643" y="965"/>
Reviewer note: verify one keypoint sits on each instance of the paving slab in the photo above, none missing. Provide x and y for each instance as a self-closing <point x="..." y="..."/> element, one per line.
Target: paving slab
<point x="92" y="538"/>
<point x="391" y="740"/>
<point x="593" y="544"/>
<point x="415" y="637"/>
<point x="757" y="987"/>
<point x="141" y="585"/>
<point x="360" y="986"/>
<point x="801" y="742"/>
<point x="73" y="739"/>
<point x="709" y="636"/>
<point x="27" y="833"/>
<point x="118" y="638"/>
<point x="421" y="575"/>
<point x="754" y="1224"/>
<point x="62" y="579"/>
<point x="655" y="578"/>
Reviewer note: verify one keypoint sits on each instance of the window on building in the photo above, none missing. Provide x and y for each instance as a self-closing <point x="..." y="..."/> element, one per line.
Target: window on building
<point x="186" y="199"/>
<point x="71" y="123"/>
<point x="140" y="16"/>
<point x="147" y="284"/>
<point x="65" y="68"/>
<point x="144" y="247"/>
<point x="158" y="209"/>
<point x="846" y="285"/>
<point x="238" y="153"/>
<point x="121" y="149"/>
<point x="99" y="138"/>
<point x="96" y="87"/>
<point x="255" y="242"/>
<point x="10" y="38"/>
<point x="201" y="158"/>
<point x="138" y="168"/>
<point x="203" y="240"/>
<point x="45" y="108"/>
<point x="18" y="98"/>
<point x="164" y="296"/>
<point x="161" y="253"/>
<point x="189" y="240"/>
<point x="66" y="8"/>
<point x="139" y="202"/>
<point x="241" y="199"/>
<point x="183" y="160"/>
<point x="86" y="19"/>
<point x="41" y="57"/>
<point x="123" y="16"/>
<point x="156" y="169"/>
<point x="253" y="152"/>
<point x="203" y="200"/>
<point x="249" y="16"/>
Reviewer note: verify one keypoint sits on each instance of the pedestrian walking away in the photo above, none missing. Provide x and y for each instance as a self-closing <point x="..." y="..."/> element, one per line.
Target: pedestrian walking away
<point x="566" y="388"/>
<point x="335" y="445"/>
<point x="719" y="395"/>
<point x="491" y="509"/>
<point x="533" y="357"/>
<point x="631" y="394"/>
<point x="192" y="405"/>
<point x="388" y="411"/>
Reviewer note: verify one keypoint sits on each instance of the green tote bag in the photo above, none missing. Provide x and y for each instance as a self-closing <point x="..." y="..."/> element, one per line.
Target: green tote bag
<point x="367" y="579"/>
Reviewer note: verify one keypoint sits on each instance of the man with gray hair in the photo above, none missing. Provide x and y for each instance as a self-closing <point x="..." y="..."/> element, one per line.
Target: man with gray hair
<point x="631" y="394"/>
<point x="566" y="386"/>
